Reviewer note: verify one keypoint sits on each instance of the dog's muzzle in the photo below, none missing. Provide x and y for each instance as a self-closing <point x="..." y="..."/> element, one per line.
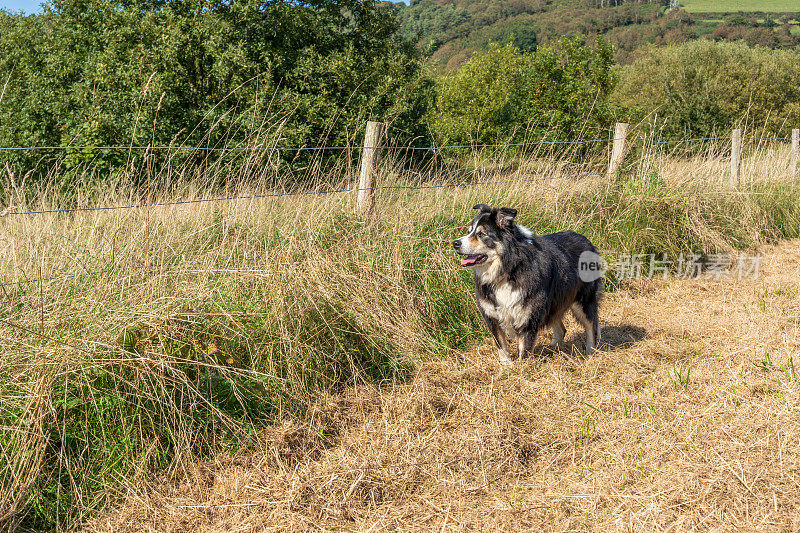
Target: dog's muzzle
<point x="473" y="260"/>
<point x="469" y="260"/>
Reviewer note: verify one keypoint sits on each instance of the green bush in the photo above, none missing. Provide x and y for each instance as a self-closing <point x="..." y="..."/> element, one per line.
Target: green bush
<point x="705" y="88"/>
<point x="505" y="95"/>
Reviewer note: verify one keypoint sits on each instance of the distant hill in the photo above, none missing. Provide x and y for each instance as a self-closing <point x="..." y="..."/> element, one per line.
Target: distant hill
<point x="450" y="31"/>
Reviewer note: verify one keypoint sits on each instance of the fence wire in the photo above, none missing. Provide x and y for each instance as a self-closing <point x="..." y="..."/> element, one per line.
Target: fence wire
<point x="312" y="193"/>
<point x="298" y="149"/>
<point x="257" y="196"/>
<point x="299" y="193"/>
<point x="388" y="147"/>
<point x="323" y="148"/>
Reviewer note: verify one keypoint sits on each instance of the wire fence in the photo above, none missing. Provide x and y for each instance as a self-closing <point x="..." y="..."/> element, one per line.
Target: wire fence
<point x="696" y="139"/>
<point x="301" y="148"/>
<point x="387" y="147"/>
<point x="258" y="196"/>
<point x="300" y="193"/>
<point x="8" y="212"/>
<point x="615" y="140"/>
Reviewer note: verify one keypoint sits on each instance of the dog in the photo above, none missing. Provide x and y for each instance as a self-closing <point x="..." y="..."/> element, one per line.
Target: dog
<point x="524" y="281"/>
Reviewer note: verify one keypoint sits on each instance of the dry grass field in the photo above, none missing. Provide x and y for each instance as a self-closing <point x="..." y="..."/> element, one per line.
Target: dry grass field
<point x="688" y="419"/>
<point x="281" y="363"/>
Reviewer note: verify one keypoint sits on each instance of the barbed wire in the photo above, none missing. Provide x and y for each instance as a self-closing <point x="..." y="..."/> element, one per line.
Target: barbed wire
<point x="689" y="140"/>
<point x="387" y="147"/>
<point x="311" y="193"/>
<point x="725" y="138"/>
<point x="299" y="193"/>
<point x="388" y="187"/>
<point x="297" y="149"/>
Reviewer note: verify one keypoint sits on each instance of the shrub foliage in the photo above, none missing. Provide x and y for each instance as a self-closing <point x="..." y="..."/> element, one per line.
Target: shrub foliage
<point x="507" y="95"/>
<point x="703" y="88"/>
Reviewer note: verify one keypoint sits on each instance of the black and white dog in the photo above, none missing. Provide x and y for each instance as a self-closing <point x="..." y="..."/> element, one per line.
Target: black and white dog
<point x="524" y="281"/>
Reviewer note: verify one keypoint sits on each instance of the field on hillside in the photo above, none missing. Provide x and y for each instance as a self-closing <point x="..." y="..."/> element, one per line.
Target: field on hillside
<point x="202" y="364"/>
<point x="729" y="6"/>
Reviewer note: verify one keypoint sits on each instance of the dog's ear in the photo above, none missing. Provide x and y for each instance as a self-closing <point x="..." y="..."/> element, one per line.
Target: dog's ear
<point x="483" y="207"/>
<point x="505" y="216"/>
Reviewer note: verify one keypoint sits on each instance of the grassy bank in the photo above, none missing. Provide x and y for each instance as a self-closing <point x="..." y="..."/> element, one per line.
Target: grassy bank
<point x="181" y="331"/>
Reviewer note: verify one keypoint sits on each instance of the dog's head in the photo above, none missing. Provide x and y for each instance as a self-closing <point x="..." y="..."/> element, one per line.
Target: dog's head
<point x="489" y="234"/>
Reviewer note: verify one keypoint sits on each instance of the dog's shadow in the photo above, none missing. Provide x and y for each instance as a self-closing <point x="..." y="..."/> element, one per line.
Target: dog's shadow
<point x="616" y="337"/>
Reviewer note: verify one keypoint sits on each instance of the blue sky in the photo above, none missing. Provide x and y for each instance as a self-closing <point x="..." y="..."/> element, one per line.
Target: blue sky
<point x="27" y="6"/>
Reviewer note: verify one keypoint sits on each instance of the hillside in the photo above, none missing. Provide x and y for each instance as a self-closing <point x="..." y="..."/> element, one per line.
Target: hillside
<point x="450" y="31"/>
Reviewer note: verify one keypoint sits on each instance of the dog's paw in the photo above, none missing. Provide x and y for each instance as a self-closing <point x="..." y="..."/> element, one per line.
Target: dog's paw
<point x="505" y="359"/>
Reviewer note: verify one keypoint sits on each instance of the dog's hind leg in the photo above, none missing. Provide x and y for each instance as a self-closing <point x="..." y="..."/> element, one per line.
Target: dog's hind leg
<point x="586" y="314"/>
<point x="597" y="328"/>
<point x="558" y="330"/>
<point x="585" y="311"/>
<point x="590" y="309"/>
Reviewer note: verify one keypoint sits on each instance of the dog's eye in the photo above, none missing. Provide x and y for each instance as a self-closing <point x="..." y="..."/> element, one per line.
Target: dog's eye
<point x="481" y="234"/>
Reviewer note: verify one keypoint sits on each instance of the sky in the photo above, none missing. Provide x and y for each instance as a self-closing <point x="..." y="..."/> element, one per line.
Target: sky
<point x="26" y="6"/>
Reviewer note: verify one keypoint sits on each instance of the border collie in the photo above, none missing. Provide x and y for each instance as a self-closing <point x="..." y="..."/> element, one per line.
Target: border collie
<point x="524" y="281"/>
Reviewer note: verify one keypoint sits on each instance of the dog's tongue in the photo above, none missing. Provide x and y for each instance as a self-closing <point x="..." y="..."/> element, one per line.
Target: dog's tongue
<point x="469" y="260"/>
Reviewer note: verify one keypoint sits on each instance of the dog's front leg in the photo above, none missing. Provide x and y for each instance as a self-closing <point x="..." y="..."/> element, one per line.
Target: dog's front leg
<point x="527" y="340"/>
<point x="500" y="340"/>
<point x="527" y="337"/>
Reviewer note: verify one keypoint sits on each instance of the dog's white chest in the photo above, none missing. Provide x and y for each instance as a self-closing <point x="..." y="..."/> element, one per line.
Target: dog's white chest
<point x="509" y="310"/>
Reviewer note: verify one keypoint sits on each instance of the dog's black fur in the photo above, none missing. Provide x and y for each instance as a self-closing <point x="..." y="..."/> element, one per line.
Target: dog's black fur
<point x="524" y="281"/>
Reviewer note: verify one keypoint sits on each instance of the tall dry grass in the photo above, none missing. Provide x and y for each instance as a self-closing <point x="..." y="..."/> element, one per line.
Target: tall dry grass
<point x="163" y="334"/>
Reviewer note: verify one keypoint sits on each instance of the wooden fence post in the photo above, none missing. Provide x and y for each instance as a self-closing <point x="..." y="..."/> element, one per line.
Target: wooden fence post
<point x="793" y="170"/>
<point x="369" y="168"/>
<point x="620" y="146"/>
<point x="736" y="157"/>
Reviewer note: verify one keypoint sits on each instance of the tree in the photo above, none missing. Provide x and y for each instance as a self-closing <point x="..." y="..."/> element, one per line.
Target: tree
<point x="704" y="88"/>
<point x="203" y="73"/>
<point x="507" y="95"/>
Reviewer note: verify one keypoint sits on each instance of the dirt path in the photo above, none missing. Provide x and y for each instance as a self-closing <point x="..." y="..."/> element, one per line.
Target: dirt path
<point x="689" y="418"/>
